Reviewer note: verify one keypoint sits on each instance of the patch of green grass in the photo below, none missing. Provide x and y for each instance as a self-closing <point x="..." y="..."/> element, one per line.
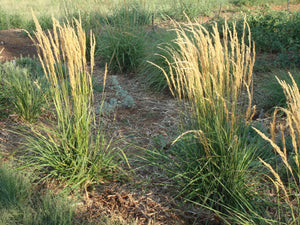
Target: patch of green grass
<point x="22" y="203"/>
<point x="272" y="94"/>
<point x="123" y="48"/>
<point x="25" y="90"/>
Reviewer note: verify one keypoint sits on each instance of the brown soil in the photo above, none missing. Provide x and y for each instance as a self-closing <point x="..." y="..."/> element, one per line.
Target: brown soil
<point x="15" y="43"/>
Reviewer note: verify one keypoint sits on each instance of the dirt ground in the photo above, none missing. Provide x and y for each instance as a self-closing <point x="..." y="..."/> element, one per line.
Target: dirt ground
<point x="14" y="43"/>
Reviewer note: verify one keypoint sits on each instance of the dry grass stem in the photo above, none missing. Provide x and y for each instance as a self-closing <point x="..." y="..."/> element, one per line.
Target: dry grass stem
<point x="292" y="188"/>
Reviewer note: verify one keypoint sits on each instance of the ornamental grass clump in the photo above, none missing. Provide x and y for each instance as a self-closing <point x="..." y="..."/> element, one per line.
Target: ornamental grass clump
<point x="210" y="161"/>
<point x="24" y="90"/>
<point x="73" y="148"/>
<point x="287" y="183"/>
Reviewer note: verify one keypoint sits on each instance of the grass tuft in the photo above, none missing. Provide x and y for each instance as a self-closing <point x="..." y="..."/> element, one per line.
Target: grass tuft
<point x="25" y="90"/>
<point x="211" y="160"/>
<point x="73" y="149"/>
<point x="21" y="203"/>
<point x="123" y="48"/>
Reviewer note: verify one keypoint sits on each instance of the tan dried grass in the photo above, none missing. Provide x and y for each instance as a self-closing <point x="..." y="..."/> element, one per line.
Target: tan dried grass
<point x="208" y="68"/>
<point x="291" y="190"/>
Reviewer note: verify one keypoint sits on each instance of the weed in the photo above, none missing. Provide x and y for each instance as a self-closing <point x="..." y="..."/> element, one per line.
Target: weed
<point x="122" y="95"/>
<point x="125" y="98"/>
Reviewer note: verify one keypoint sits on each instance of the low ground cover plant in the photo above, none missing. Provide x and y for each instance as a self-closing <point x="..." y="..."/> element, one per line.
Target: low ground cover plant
<point x="25" y="89"/>
<point x="21" y="202"/>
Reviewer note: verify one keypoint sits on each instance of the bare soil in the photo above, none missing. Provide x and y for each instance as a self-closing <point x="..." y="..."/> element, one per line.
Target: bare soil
<point x="15" y="43"/>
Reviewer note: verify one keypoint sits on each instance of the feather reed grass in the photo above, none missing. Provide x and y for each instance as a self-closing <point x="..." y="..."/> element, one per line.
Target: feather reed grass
<point x="287" y="185"/>
<point x="73" y="149"/>
<point x="210" y="160"/>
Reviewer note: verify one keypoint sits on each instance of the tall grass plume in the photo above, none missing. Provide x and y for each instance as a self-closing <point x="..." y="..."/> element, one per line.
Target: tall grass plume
<point x="211" y="159"/>
<point x="287" y="184"/>
<point x="73" y="149"/>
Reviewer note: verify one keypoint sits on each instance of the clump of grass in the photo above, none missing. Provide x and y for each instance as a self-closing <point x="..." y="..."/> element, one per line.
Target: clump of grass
<point x="132" y="14"/>
<point x="123" y="48"/>
<point x="151" y="75"/>
<point x="21" y="203"/>
<point x="32" y="64"/>
<point x="287" y="185"/>
<point x="184" y="9"/>
<point x="73" y="149"/>
<point x="8" y="21"/>
<point x="26" y="91"/>
<point x="210" y="160"/>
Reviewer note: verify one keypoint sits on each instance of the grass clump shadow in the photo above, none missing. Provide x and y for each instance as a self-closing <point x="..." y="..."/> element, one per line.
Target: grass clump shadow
<point x="151" y="74"/>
